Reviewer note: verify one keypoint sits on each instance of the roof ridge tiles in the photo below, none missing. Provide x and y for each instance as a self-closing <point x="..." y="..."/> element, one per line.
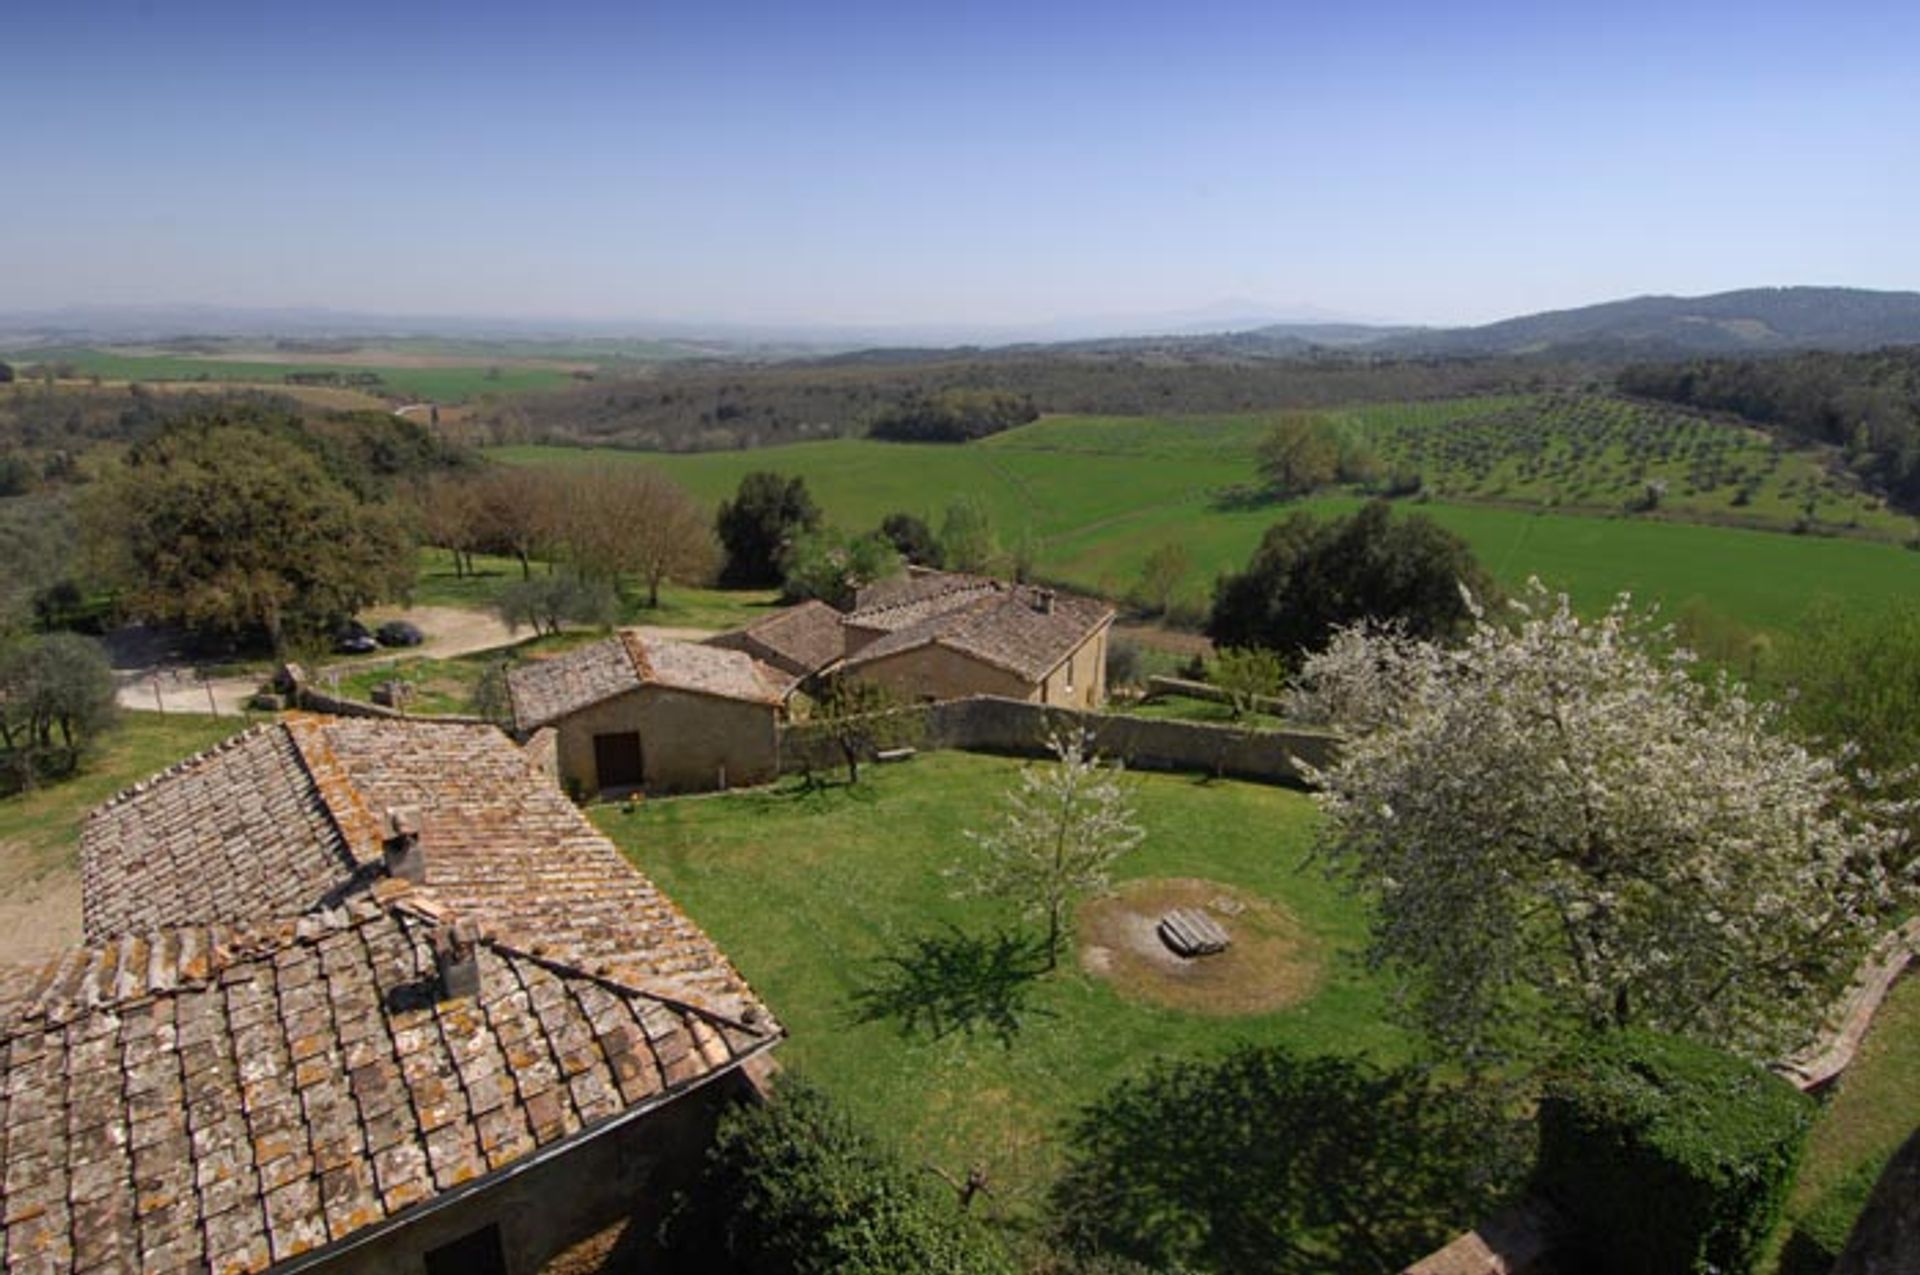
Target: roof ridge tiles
<point x="192" y="760"/>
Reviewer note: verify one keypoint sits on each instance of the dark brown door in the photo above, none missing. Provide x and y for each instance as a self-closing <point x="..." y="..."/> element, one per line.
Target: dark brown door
<point x="616" y="760"/>
<point x="476" y="1253"/>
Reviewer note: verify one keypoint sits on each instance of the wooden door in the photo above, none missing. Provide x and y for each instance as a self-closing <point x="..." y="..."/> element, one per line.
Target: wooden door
<point x="617" y="760"/>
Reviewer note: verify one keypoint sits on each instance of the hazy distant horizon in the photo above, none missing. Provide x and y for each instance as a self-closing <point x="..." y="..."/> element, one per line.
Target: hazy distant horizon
<point x="999" y="166"/>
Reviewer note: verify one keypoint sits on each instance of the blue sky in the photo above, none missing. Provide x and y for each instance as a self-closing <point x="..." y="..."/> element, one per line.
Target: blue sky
<point x="977" y="163"/>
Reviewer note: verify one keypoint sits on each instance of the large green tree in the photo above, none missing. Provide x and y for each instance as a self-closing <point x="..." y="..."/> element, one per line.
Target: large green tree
<point x="232" y="528"/>
<point x="56" y="695"/>
<point x="1310" y="576"/>
<point x="759" y="525"/>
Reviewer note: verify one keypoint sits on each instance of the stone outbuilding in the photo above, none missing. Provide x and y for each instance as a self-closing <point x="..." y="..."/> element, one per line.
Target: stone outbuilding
<point x="939" y="636"/>
<point x="634" y="714"/>
<point x="359" y="995"/>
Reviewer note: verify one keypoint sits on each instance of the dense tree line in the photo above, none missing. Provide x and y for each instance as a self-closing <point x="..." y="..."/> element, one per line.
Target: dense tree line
<point x="1868" y="405"/>
<point x="952" y="416"/>
<point x="712" y="408"/>
<point x="256" y="525"/>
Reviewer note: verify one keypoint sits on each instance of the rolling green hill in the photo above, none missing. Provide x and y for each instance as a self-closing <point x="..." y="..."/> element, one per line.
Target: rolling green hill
<point x="1101" y="493"/>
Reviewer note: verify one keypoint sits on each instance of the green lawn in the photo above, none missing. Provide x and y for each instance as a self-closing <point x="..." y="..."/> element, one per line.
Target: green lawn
<point x="40" y="829"/>
<point x="1102" y="511"/>
<point x="436" y="584"/>
<point x="806" y="891"/>
<point x="1874" y="1109"/>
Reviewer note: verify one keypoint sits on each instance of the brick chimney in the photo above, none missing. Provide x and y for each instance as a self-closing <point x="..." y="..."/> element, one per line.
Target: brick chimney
<point x="401" y="851"/>
<point x="456" y="956"/>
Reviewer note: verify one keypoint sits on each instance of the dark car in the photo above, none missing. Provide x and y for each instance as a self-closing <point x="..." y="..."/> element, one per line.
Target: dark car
<point x="354" y="639"/>
<point x="399" y="633"/>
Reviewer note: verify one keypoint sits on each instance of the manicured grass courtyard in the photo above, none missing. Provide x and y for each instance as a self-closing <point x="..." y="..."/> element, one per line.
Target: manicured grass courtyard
<point x="808" y="892"/>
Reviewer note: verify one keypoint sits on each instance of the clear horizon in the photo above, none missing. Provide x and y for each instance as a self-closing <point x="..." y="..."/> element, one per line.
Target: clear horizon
<point x="998" y="166"/>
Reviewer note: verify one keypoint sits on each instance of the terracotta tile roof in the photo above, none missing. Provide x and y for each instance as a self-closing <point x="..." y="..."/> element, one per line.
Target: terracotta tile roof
<point x="798" y="640"/>
<point x="501" y="843"/>
<point x="239" y="831"/>
<point x="228" y="1098"/>
<point x="544" y="691"/>
<point x="702" y="669"/>
<point x="1025" y="630"/>
<point x="910" y="600"/>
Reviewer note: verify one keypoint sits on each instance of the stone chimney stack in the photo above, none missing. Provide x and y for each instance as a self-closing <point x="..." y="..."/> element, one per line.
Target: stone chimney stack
<point x="401" y="851"/>
<point x="456" y="955"/>
<point x="1043" y="601"/>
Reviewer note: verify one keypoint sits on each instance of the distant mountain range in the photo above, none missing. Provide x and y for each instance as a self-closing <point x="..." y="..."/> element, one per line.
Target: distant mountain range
<point x="1752" y="320"/>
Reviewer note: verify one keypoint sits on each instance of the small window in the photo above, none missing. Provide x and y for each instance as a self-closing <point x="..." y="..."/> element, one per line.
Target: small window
<point x="475" y="1253"/>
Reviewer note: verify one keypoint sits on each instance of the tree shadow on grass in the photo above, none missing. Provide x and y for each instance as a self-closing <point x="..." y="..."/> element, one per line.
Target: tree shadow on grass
<point x="952" y="981"/>
<point x="1272" y="1163"/>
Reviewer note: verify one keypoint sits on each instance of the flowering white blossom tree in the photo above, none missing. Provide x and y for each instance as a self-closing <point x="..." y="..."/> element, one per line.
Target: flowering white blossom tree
<point x="1065" y="825"/>
<point x="1559" y="824"/>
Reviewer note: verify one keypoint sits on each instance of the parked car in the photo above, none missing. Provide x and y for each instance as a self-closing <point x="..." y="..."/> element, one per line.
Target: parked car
<point x="399" y="633"/>
<point x="354" y="639"/>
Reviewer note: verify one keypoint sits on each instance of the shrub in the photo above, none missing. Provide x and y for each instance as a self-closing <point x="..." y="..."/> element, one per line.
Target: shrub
<point x="1123" y="662"/>
<point x="795" y="1186"/>
<point x="1265" y="1162"/>
<point x="1668" y="1156"/>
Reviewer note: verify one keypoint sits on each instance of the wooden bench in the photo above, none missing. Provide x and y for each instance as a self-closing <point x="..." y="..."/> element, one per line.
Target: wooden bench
<point x="894" y="754"/>
<point x="1191" y="932"/>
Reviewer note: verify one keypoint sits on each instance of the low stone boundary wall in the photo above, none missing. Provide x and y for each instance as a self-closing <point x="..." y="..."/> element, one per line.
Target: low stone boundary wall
<point x="1187" y="688"/>
<point x="292" y="682"/>
<point x="1817" y="1066"/>
<point x="1016" y="728"/>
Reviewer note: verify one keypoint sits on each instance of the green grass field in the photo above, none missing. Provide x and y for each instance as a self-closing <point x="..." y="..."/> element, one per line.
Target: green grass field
<point x="439" y="384"/>
<point x="680" y="606"/>
<point x="1102" y="493"/>
<point x="1874" y="1108"/>
<point x="806" y="892"/>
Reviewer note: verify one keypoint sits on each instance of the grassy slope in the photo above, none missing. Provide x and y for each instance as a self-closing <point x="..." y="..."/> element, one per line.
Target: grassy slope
<point x="1103" y="493"/>
<point x="443" y="384"/>
<point x="680" y="606"/>
<point x="40" y="829"/>
<point x="805" y="891"/>
<point x="1875" y="1108"/>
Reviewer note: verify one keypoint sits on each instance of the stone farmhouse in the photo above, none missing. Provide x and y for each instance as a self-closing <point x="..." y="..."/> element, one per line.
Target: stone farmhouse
<point x="359" y="995"/>
<point x="629" y="714"/>
<point x="674" y="717"/>
<point x="940" y="636"/>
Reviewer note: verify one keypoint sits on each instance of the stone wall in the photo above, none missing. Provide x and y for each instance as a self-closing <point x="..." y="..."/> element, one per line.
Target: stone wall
<point x="1020" y="729"/>
<point x="1186" y="688"/>
<point x="292" y="682"/>
<point x="688" y="742"/>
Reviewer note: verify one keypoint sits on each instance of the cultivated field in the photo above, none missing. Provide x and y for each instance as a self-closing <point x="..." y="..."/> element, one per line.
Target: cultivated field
<point x="440" y="380"/>
<point x="1102" y="493"/>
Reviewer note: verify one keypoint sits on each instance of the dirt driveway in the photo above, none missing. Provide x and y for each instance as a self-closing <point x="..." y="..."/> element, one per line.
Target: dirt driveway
<point x="155" y="680"/>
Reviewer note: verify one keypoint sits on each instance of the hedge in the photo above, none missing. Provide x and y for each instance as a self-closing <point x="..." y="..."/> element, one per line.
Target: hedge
<point x="1668" y="1156"/>
<point x="794" y="1187"/>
